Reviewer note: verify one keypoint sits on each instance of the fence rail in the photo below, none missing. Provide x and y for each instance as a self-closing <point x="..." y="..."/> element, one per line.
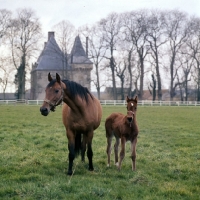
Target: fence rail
<point x="108" y="102"/>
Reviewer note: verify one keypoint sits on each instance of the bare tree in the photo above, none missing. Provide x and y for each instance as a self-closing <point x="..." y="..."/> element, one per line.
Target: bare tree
<point x="120" y="72"/>
<point x="5" y="17"/>
<point x="5" y="73"/>
<point x="110" y="30"/>
<point x="96" y="52"/>
<point x="65" y="33"/>
<point x="156" y="29"/>
<point x="152" y="87"/>
<point x="134" y="24"/>
<point x="187" y="63"/>
<point x="177" y="33"/>
<point x="24" y="35"/>
<point x="193" y="44"/>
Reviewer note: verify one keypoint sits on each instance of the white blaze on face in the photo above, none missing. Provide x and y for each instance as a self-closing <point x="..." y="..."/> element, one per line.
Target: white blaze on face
<point x="131" y="104"/>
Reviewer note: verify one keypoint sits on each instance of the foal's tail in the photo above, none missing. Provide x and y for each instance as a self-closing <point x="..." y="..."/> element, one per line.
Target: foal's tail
<point x="78" y="144"/>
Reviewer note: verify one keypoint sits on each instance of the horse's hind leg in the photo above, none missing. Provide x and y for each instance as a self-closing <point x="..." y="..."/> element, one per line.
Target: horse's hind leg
<point x="83" y="149"/>
<point x="109" y="148"/>
<point x="116" y="148"/>
<point x="133" y="153"/>
<point x="89" y="150"/>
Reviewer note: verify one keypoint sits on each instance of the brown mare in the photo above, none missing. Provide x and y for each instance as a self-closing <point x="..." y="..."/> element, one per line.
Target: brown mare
<point x="81" y="114"/>
<point x="124" y="128"/>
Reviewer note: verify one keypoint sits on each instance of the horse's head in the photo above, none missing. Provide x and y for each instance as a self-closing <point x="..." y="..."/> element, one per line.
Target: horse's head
<point x="54" y="95"/>
<point x="131" y="104"/>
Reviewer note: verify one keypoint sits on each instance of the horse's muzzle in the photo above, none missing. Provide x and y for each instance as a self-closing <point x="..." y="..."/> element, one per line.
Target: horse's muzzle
<point x="44" y="111"/>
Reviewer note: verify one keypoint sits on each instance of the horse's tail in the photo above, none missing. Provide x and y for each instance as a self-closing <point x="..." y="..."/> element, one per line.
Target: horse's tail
<point x="78" y="144"/>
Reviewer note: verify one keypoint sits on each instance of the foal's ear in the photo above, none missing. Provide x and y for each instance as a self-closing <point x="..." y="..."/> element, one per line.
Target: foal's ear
<point x="58" y="78"/>
<point x="127" y="99"/>
<point x="136" y="99"/>
<point x="49" y="77"/>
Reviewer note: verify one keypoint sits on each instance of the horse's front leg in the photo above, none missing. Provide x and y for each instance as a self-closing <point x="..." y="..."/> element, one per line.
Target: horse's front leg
<point x="109" y="148"/>
<point x="89" y="150"/>
<point x="71" y="148"/>
<point x="133" y="153"/>
<point x="122" y="152"/>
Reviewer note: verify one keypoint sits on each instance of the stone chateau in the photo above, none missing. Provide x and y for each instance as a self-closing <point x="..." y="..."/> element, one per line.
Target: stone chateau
<point x="75" y="66"/>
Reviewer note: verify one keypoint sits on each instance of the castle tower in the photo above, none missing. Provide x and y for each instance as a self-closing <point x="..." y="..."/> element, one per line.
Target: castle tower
<point x="75" y="67"/>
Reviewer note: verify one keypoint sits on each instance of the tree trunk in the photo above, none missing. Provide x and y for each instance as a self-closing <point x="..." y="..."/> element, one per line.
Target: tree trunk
<point x="21" y="76"/>
<point x="98" y="83"/>
<point x="159" y="92"/>
<point x="130" y="74"/>
<point x="112" y="65"/>
<point x="198" y="85"/>
<point x="141" y="77"/>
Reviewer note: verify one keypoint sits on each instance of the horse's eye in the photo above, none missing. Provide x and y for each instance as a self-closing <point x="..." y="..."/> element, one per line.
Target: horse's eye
<point x="56" y="91"/>
<point x="135" y="108"/>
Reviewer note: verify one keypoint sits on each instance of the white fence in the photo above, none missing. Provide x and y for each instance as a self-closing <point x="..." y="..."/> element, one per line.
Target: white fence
<point x="109" y="102"/>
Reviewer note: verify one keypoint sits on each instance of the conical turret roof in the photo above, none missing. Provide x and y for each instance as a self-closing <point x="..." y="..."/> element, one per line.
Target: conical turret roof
<point x="51" y="57"/>
<point x="78" y="54"/>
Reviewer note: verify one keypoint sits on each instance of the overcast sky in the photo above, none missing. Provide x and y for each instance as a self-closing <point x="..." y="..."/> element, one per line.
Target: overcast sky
<point x="81" y="12"/>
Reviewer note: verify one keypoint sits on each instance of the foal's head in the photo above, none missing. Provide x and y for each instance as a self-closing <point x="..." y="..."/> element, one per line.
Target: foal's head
<point x="131" y="104"/>
<point x="130" y="115"/>
<point x="54" y="95"/>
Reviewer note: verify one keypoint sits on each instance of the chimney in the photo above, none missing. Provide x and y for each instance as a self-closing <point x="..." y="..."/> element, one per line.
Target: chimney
<point x="50" y="33"/>
<point x="87" y="46"/>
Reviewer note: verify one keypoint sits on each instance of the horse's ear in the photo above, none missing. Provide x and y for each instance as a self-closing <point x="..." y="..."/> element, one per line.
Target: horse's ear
<point x="49" y="77"/>
<point x="136" y="99"/>
<point x="58" y="78"/>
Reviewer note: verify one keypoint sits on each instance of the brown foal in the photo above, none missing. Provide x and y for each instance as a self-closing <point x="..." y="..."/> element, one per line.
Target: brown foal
<point x="124" y="128"/>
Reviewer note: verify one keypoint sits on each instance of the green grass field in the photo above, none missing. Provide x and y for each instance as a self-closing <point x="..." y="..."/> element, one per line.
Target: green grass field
<point x="34" y="157"/>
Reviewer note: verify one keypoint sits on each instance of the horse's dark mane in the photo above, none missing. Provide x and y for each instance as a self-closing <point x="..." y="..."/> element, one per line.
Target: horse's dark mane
<point x="77" y="89"/>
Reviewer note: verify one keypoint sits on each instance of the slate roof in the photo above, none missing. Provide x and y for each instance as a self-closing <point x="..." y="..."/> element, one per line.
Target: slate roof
<point x="51" y="57"/>
<point x="78" y="54"/>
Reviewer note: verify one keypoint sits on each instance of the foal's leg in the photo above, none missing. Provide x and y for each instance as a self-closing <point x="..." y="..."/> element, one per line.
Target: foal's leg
<point x="122" y="152"/>
<point x="116" y="148"/>
<point x="89" y="150"/>
<point x="109" y="148"/>
<point x="71" y="147"/>
<point x="133" y="154"/>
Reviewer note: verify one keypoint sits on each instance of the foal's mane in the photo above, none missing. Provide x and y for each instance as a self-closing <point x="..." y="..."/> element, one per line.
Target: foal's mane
<point x="77" y="89"/>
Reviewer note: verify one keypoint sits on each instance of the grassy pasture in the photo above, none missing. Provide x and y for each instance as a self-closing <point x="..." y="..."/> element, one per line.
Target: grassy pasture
<point x="33" y="157"/>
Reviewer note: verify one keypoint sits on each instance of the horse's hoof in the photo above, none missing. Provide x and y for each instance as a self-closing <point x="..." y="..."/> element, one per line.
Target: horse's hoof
<point x="91" y="169"/>
<point x="69" y="173"/>
<point x="117" y="164"/>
